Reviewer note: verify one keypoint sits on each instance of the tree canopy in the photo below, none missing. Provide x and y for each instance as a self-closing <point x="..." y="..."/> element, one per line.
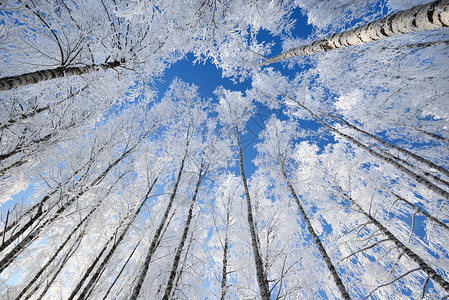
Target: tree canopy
<point x="116" y="186"/>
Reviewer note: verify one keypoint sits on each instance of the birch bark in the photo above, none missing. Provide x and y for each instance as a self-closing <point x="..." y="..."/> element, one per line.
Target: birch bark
<point x="428" y="16"/>
<point x="158" y="234"/>
<point x="12" y="82"/>
<point x="341" y="287"/>
<point x="180" y="248"/>
<point x="261" y="273"/>
<point x="425" y="267"/>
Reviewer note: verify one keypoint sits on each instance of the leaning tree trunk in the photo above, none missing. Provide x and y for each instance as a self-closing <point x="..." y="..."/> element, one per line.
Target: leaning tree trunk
<point x="10" y="257"/>
<point x="400" y="149"/>
<point x="224" y="273"/>
<point x="24" y="116"/>
<point x="341" y="287"/>
<point x="181" y="271"/>
<point x="97" y="274"/>
<point x="37" y="207"/>
<point x="423" y="17"/>
<point x="62" y="263"/>
<point x="90" y="269"/>
<point x="180" y="248"/>
<point x="121" y="271"/>
<point x="8" y="83"/>
<point x="430" y="185"/>
<point x="412" y="255"/>
<point x="261" y="273"/>
<point x="60" y="248"/>
<point x="158" y="234"/>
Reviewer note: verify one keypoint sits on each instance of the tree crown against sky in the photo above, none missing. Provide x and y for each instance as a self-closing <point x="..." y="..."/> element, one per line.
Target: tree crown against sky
<point x="319" y="173"/>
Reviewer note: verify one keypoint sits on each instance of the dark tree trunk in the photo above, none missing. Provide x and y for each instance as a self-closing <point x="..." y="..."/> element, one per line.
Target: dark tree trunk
<point x="90" y="269"/>
<point x="12" y="82"/>
<point x="339" y="283"/>
<point x="121" y="271"/>
<point x="180" y="248"/>
<point x="158" y="234"/>
<point x="261" y="273"/>
<point x="430" y="185"/>
<point x="423" y="17"/>
<point x="405" y="151"/>
<point x="413" y="256"/>
<point x="13" y="120"/>
<point x="58" y="270"/>
<point x="55" y="254"/>
<point x="423" y="212"/>
<point x="10" y="257"/>
<point x="224" y="273"/>
<point x="111" y="251"/>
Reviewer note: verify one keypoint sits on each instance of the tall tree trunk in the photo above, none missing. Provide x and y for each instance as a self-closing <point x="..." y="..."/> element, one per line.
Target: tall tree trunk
<point x="178" y="279"/>
<point x="180" y="248"/>
<point x="261" y="273"/>
<point x="26" y="226"/>
<point x="56" y="253"/>
<point x="38" y="206"/>
<point x="341" y="287"/>
<point x="432" y="135"/>
<point x="16" y="164"/>
<point x="90" y="269"/>
<point x="428" y="16"/>
<point x="400" y="149"/>
<point x="19" y="148"/>
<point x="111" y="251"/>
<point x="61" y="247"/>
<point x="430" y="185"/>
<point x="8" y="83"/>
<point x="224" y="272"/>
<point x="121" y="271"/>
<point x="158" y="234"/>
<point x="62" y="263"/>
<point x="10" y="257"/>
<point x="413" y="256"/>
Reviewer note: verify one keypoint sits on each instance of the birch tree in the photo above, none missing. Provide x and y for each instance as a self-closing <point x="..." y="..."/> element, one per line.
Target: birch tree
<point x="234" y="112"/>
<point x="276" y="149"/>
<point x="423" y="17"/>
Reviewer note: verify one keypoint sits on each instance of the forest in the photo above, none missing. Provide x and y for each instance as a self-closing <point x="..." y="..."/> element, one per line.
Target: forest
<point x="316" y="168"/>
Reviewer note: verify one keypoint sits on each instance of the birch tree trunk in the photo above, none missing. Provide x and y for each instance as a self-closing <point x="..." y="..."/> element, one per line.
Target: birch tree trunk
<point x="59" y="249"/>
<point x="405" y="151"/>
<point x="90" y="269"/>
<point x="430" y="185"/>
<point x="423" y="212"/>
<point x="428" y="16"/>
<point x="12" y="82"/>
<point x="413" y="256"/>
<point x="224" y="274"/>
<point x="183" y="266"/>
<point x="261" y="273"/>
<point x="341" y="287"/>
<point x="38" y="207"/>
<point x="111" y="251"/>
<point x="121" y="271"/>
<point x="158" y="234"/>
<point x="24" y="116"/>
<point x="180" y="248"/>
<point x="58" y="270"/>
<point x="10" y="257"/>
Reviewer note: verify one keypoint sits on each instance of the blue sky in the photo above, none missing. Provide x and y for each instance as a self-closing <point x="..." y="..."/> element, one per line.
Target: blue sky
<point x="208" y="77"/>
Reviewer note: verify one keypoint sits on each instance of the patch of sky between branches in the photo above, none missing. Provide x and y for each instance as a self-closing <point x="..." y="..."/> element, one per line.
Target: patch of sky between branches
<point x="208" y="77"/>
